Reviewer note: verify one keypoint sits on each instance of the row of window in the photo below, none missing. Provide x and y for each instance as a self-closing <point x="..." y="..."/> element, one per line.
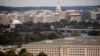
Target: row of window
<point x="68" y="51"/>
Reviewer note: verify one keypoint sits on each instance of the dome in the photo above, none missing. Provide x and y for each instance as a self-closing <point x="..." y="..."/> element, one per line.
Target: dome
<point x="58" y="8"/>
<point x="16" y="22"/>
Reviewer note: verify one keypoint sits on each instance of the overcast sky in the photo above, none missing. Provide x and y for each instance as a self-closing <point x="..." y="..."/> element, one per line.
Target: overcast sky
<point x="21" y="3"/>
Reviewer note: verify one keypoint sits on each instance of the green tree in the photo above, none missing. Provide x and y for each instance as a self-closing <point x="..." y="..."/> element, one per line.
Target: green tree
<point x="36" y="37"/>
<point x="23" y="50"/>
<point x="54" y="36"/>
<point x="28" y="38"/>
<point x="45" y="35"/>
<point x="42" y="54"/>
<point x="93" y="33"/>
<point x="2" y="54"/>
<point x="9" y="38"/>
<point x="11" y="53"/>
<point x="26" y="54"/>
<point x="76" y="33"/>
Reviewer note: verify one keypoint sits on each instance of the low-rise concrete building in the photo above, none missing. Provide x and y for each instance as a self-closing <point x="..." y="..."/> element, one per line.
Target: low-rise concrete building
<point x="75" y="17"/>
<point x="95" y="15"/>
<point x="68" y="46"/>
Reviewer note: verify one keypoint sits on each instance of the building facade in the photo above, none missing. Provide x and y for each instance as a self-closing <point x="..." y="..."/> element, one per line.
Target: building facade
<point x="69" y="46"/>
<point x="95" y="15"/>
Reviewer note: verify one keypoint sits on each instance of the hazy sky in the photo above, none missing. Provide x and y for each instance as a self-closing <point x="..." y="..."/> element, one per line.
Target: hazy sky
<point x="20" y="3"/>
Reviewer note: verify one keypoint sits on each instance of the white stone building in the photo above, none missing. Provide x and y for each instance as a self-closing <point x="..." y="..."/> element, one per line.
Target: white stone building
<point x="69" y="46"/>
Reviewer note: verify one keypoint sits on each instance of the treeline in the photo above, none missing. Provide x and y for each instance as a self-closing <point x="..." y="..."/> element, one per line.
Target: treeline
<point x="23" y="52"/>
<point x="30" y="26"/>
<point x="6" y="8"/>
<point x="36" y="36"/>
<point x="10" y="38"/>
<point x="15" y="38"/>
<point x="94" y="33"/>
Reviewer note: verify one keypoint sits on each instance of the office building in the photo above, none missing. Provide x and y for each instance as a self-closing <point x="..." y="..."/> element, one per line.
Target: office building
<point x="95" y="15"/>
<point x="68" y="46"/>
<point x="75" y="17"/>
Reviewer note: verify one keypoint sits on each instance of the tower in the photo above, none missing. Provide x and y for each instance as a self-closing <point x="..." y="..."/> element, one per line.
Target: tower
<point x="58" y="7"/>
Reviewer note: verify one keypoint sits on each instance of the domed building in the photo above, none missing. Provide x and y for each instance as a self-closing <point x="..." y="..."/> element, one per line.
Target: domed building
<point x="15" y="22"/>
<point x="58" y="7"/>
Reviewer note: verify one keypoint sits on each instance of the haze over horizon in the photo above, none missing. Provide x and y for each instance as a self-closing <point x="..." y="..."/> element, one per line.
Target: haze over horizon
<point x="31" y="3"/>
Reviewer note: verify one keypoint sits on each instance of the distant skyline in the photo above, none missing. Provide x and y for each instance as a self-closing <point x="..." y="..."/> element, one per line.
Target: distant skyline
<point x="26" y="3"/>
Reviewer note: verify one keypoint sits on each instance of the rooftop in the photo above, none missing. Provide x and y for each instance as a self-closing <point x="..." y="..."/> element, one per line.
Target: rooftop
<point x="90" y="40"/>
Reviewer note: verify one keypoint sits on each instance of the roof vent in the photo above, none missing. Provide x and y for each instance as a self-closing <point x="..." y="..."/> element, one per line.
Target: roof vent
<point x="48" y="41"/>
<point x="70" y="38"/>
